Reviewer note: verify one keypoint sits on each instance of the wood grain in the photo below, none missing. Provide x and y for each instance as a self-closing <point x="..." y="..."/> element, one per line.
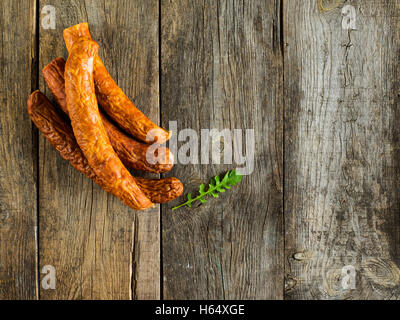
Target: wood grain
<point x="18" y="267"/>
<point x="100" y="248"/>
<point x="324" y="194"/>
<point x="221" y="68"/>
<point x="341" y="150"/>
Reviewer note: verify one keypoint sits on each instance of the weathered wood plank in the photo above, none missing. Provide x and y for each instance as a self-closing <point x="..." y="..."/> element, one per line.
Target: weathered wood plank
<point x="341" y="145"/>
<point x="18" y="267"/>
<point x="221" y="68"/>
<point x="100" y="248"/>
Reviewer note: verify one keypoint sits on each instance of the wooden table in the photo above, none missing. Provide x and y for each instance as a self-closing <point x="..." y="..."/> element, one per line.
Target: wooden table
<point x="321" y="92"/>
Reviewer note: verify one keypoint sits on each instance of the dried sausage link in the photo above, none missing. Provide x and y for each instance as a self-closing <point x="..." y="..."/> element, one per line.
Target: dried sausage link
<point x="89" y="129"/>
<point x="59" y="133"/>
<point x="132" y="153"/>
<point x="112" y="99"/>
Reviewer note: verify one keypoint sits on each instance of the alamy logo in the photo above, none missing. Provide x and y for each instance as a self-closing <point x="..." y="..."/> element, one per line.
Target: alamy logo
<point x="216" y="146"/>
<point x="349" y="17"/>
<point x="348" y="277"/>
<point x="49" y="17"/>
<point x="49" y="280"/>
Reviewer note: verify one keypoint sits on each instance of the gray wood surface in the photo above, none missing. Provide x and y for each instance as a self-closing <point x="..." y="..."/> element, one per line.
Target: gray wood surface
<point x="100" y="248"/>
<point x="324" y="194"/>
<point x="212" y="53"/>
<point x="341" y="150"/>
<point x="17" y="152"/>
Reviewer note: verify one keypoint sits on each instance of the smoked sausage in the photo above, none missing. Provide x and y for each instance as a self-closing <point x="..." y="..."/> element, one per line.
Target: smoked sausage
<point x="89" y="129"/>
<point x="113" y="100"/>
<point x="59" y="133"/>
<point x="131" y="152"/>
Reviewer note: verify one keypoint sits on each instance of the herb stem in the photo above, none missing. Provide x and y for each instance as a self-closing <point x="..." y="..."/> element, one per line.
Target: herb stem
<point x="195" y="199"/>
<point x="215" y="186"/>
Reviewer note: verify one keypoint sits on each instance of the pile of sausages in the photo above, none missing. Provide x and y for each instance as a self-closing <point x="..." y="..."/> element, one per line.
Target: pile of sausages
<point x="102" y="144"/>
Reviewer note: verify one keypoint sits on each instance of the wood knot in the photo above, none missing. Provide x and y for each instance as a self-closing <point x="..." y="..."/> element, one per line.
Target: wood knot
<point x="328" y="5"/>
<point x="303" y="256"/>
<point x="382" y="272"/>
<point x="332" y="286"/>
<point x="290" y="283"/>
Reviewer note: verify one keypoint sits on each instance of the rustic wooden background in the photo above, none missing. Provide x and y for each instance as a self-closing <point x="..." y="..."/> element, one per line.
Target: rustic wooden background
<point x="325" y="192"/>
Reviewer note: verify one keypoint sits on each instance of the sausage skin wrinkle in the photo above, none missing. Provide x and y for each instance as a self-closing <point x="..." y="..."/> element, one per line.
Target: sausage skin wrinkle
<point x="132" y="153"/>
<point x="89" y="130"/>
<point x="59" y="133"/>
<point x="113" y="100"/>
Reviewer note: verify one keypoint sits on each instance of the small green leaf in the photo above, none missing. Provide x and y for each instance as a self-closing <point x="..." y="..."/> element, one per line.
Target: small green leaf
<point x="201" y="189"/>
<point x="234" y="177"/>
<point x="212" y="182"/>
<point x="215" y="186"/>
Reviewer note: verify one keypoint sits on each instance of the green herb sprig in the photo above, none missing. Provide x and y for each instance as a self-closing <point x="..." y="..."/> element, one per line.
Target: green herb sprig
<point x="215" y="186"/>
